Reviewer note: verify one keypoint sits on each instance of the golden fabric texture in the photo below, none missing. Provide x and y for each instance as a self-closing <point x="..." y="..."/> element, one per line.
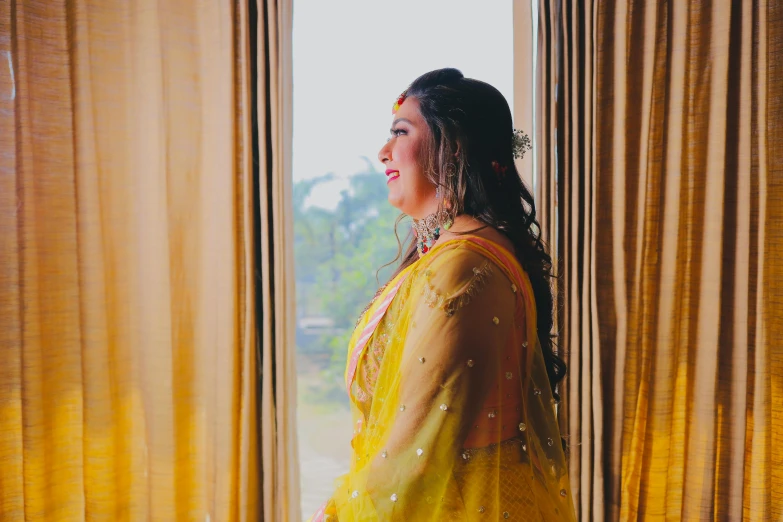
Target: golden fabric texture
<point x="454" y="416"/>
<point x="128" y="380"/>
<point x="660" y="185"/>
<point x="273" y="85"/>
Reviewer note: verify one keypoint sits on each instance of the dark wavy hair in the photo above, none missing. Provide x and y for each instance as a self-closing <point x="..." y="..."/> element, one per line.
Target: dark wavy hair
<point x="470" y="127"/>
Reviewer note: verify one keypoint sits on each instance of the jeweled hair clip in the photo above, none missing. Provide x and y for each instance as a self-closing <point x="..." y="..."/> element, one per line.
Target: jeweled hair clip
<point x="520" y="143"/>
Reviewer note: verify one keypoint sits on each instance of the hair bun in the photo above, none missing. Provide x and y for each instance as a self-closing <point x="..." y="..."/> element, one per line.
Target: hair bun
<point x="437" y="77"/>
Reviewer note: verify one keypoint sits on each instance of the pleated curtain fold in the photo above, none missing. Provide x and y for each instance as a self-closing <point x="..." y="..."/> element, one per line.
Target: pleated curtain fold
<point x="659" y="178"/>
<point x="144" y="278"/>
<point x="272" y="24"/>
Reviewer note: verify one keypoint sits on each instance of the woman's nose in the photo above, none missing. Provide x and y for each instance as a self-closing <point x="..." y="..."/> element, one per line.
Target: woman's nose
<point x="384" y="154"/>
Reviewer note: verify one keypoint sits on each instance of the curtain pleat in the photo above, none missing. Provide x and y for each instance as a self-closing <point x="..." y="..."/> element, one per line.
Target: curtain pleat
<point x="659" y="184"/>
<point x="127" y="270"/>
<point x="273" y="85"/>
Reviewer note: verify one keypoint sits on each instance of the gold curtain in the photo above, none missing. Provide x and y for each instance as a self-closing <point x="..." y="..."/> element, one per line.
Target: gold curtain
<point x="660" y="185"/>
<point x="273" y="84"/>
<point x="129" y="379"/>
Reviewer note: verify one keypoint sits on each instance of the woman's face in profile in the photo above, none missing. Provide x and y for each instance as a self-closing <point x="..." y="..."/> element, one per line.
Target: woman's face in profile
<point x="409" y="190"/>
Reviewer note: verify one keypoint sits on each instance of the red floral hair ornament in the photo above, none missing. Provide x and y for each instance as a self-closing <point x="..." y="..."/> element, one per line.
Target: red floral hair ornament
<point x="400" y="99"/>
<point x="520" y="143"/>
<point x="499" y="169"/>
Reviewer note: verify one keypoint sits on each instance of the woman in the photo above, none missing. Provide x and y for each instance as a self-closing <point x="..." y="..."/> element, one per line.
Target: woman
<point x="451" y="370"/>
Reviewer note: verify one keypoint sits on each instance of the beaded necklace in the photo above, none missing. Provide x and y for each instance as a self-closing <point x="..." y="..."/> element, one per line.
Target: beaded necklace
<point x="427" y="230"/>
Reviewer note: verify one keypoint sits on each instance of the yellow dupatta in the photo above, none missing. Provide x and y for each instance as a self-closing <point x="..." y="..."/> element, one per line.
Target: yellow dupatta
<point x="454" y="417"/>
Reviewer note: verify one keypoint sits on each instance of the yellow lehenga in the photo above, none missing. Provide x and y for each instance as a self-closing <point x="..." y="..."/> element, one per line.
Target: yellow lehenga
<point x="453" y="412"/>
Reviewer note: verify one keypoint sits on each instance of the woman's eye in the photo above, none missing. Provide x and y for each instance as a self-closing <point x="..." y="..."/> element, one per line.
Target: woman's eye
<point x="398" y="132"/>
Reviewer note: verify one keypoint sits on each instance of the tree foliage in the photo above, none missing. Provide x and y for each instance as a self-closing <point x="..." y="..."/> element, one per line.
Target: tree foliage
<point x="337" y="254"/>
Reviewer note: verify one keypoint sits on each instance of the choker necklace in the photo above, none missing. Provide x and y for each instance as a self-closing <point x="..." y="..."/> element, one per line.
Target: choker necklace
<point x="427" y="230"/>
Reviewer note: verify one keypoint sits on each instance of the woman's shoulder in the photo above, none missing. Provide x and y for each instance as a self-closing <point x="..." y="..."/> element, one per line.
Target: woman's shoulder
<point x="462" y="255"/>
<point x="455" y="274"/>
<point x="455" y="255"/>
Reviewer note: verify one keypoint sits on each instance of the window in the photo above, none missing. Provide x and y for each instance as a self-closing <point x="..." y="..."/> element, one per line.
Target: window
<point x="352" y="59"/>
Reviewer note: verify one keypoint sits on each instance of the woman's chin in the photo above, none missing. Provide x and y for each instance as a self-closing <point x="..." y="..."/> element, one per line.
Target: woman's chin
<point x="395" y="200"/>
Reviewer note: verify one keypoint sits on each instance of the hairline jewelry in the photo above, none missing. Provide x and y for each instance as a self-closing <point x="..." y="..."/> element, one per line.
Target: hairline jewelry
<point x="399" y="101"/>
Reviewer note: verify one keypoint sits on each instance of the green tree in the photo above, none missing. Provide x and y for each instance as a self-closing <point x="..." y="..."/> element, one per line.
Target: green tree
<point x="338" y="253"/>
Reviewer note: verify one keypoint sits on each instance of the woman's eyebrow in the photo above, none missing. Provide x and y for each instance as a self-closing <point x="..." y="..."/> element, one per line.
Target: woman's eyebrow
<point x="398" y="120"/>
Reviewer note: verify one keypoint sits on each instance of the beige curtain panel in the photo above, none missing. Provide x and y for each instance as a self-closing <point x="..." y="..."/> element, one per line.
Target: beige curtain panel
<point x="132" y="272"/>
<point x="272" y="23"/>
<point x="660" y="180"/>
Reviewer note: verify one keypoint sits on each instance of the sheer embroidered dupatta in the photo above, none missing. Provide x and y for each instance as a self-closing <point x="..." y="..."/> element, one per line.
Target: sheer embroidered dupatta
<point x="461" y="424"/>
